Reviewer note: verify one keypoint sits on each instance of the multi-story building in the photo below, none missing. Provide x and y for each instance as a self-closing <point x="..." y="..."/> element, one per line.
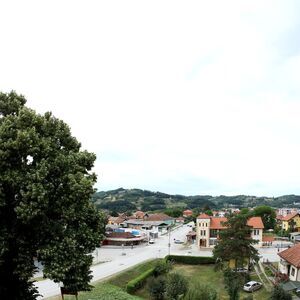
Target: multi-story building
<point x="208" y="229"/>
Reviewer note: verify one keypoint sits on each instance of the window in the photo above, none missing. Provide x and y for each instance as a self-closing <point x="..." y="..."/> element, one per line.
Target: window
<point x="293" y="271"/>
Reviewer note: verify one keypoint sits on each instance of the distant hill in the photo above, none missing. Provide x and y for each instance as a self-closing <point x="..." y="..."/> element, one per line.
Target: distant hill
<point x="122" y="200"/>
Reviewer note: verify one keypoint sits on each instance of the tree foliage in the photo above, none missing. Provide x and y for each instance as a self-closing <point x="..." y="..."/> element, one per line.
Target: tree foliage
<point x="45" y="211"/>
<point x="278" y="293"/>
<point x="267" y="214"/>
<point x="176" y="286"/>
<point x="235" y="242"/>
<point x="157" y="288"/>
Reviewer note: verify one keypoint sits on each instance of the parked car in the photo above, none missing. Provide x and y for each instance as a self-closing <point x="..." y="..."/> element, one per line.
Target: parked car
<point x="151" y="241"/>
<point x="252" y="286"/>
<point x="178" y="242"/>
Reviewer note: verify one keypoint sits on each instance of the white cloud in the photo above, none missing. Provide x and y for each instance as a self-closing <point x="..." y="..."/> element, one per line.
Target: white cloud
<point x="197" y="97"/>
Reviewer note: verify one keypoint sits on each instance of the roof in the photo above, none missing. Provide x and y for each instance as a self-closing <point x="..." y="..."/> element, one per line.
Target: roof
<point x="180" y="218"/>
<point x="217" y="222"/>
<point x="267" y="238"/>
<point x="139" y="214"/>
<point x="289" y="216"/>
<point x="188" y="211"/>
<point x="144" y="223"/>
<point x="279" y="217"/>
<point x="203" y="216"/>
<point x="157" y="217"/>
<point x="126" y="235"/>
<point x="292" y="255"/>
<point x="255" y="222"/>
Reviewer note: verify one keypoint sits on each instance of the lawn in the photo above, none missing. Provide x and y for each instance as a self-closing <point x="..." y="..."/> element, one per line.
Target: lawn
<point x="102" y="291"/>
<point x="207" y="275"/>
<point x="122" y="278"/>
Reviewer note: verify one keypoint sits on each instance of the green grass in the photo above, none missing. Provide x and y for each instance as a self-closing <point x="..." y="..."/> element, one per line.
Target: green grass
<point x="207" y="275"/>
<point x="122" y="279"/>
<point x="102" y="291"/>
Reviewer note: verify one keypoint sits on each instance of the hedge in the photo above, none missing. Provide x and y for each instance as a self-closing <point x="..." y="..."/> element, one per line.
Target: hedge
<point x="191" y="260"/>
<point x="136" y="283"/>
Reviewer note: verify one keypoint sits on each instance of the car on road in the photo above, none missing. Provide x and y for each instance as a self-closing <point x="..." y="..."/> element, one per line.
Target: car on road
<point x="178" y="242"/>
<point x="151" y="241"/>
<point x="252" y="286"/>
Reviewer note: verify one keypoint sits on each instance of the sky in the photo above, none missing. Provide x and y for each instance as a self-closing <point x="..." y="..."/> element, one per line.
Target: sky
<point x="182" y="97"/>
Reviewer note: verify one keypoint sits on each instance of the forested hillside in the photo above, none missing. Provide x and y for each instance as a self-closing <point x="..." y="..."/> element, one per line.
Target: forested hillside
<point x="122" y="200"/>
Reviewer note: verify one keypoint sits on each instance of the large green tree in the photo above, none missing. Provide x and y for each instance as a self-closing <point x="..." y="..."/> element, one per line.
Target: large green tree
<point x="45" y="212"/>
<point x="267" y="214"/>
<point x="235" y="242"/>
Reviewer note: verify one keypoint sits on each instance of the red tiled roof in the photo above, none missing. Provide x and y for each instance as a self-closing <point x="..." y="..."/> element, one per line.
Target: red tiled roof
<point x="255" y="222"/>
<point x="289" y="216"/>
<point x="188" y="211"/>
<point x="217" y="223"/>
<point x="267" y="238"/>
<point x="191" y="233"/>
<point x="279" y="217"/>
<point x="292" y="255"/>
<point x="157" y="217"/>
<point x="203" y="216"/>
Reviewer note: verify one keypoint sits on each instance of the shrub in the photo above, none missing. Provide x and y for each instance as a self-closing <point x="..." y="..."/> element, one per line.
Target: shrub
<point x="201" y="291"/>
<point x="176" y="285"/>
<point x="162" y="267"/>
<point x="232" y="282"/>
<point x="279" y="293"/>
<point x="157" y="288"/>
<point x="136" y="283"/>
<point x="191" y="260"/>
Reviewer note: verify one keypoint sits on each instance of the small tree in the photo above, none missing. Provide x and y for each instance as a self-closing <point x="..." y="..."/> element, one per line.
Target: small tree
<point x="157" y="288"/>
<point x="279" y="293"/>
<point x="201" y="291"/>
<point x="176" y="286"/>
<point x="162" y="267"/>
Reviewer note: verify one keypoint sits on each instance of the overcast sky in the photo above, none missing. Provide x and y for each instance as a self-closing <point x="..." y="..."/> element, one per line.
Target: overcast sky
<point x="188" y="97"/>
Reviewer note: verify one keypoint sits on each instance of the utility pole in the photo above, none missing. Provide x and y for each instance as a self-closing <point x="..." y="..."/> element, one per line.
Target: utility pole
<point x="169" y="245"/>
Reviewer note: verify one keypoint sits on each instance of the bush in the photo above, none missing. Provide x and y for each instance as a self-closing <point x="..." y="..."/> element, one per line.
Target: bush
<point x="232" y="282"/>
<point x="162" y="267"/>
<point x="157" y="288"/>
<point x="136" y="283"/>
<point x="201" y="292"/>
<point x="176" y="285"/>
<point x="279" y="293"/>
<point x="191" y="260"/>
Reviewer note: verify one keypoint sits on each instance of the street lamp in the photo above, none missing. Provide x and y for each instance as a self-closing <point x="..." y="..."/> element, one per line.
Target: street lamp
<point x="169" y="244"/>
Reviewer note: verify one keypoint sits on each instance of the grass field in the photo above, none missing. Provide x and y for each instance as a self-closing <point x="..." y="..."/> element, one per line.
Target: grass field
<point x="102" y="291"/>
<point x="207" y="275"/>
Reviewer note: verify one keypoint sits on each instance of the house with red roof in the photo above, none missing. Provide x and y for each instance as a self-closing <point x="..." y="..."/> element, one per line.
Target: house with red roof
<point x="290" y="262"/>
<point x="208" y="229"/>
<point x="187" y="213"/>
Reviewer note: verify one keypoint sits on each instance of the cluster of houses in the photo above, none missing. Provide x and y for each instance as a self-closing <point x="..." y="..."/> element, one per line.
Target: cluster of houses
<point x="137" y="228"/>
<point x="140" y="227"/>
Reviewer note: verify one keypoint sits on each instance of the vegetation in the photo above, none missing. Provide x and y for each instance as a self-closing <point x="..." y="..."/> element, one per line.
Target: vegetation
<point x="139" y="281"/>
<point x="193" y="260"/>
<point x="235" y="243"/>
<point x="278" y="293"/>
<point x="157" y="288"/>
<point x="123" y="278"/>
<point x="267" y="214"/>
<point x="122" y="200"/>
<point x="45" y="209"/>
<point x="176" y="286"/>
<point x="201" y="291"/>
<point x="102" y="291"/>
